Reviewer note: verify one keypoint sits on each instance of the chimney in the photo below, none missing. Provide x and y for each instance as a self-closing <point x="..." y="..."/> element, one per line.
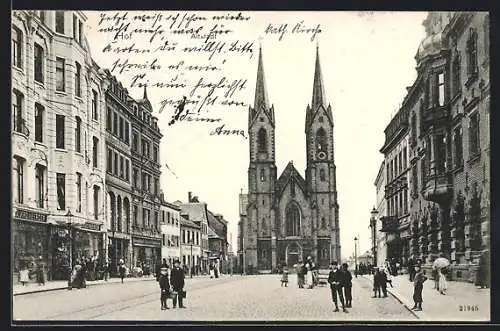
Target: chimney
<point x="190" y="196"/>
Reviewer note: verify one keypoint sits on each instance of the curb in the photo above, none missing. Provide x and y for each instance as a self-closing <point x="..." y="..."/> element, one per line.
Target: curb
<point x="66" y="287"/>
<point x="402" y="300"/>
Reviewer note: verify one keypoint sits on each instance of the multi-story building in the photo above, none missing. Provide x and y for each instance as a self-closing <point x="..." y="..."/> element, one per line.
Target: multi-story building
<point x="380" y="238"/>
<point x="217" y="240"/>
<point x="191" y="251"/>
<point x="170" y="232"/>
<point x="57" y="142"/>
<point x="146" y="202"/>
<point x="118" y="166"/>
<point x="243" y="205"/>
<point x="397" y="221"/>
<point x="448" y="113"/>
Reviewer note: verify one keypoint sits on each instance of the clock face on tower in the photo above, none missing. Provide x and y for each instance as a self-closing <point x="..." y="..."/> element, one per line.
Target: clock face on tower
<point x="321" y="155"/>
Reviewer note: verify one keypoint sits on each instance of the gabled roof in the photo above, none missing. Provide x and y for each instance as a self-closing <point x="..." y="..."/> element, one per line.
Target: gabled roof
<point x="197" y="211"/>
<point x="212" y="234"/>
<point x="286" y="175"/>
<point x="188" y="223"/>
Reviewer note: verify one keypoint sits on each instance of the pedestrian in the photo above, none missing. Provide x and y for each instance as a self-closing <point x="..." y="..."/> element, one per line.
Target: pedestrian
<point x="83" y="273"/>
<point x="435" y="277"/>
<point x="24" y="274"/>
<point x="383" y="281"/>
<point x="122" y="269"/>
<point x="284" y="277"/>
<point x="388" y="276"/>
<point x="106" y="270"/>
<point x="164" y="287"/>
<point x="411" y="268"/>
<point x="309" y="277"/>
<point x="443" y="284"/>
<point x="159" y="267"/>
<point x="335" y="279"/>
<point x="40" y="272"/>
<point x="347" y="285"/>
<point x="177" y="276"/>
<point x="298" y="271"/>
<point x="418" y="283"/>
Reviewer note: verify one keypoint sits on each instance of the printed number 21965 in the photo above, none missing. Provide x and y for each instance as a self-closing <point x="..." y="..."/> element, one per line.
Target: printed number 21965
<point x="468" y="308"/>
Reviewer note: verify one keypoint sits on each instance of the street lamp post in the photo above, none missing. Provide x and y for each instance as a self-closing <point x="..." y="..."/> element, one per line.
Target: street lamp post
<point x="70" y="248"/>
<point x="373" y="226"/>
<point x="356" y="257"/>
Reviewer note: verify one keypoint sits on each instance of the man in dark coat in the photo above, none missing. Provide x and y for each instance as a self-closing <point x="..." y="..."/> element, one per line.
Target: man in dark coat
<point x="336" y="279"/>
<point x="418" y="284"/>
<point x="159" y="267"/>
<point x="177" y="281"/>
<point x="411" y="269"/>
<point x="347" y="285"/>
<point x="164" y="286"/>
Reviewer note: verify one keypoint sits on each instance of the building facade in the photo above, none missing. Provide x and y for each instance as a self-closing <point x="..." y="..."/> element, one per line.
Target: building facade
<point x="380" y="237"/>
<point x="191" y="251"/>
<point x="396" y="224"/>
<point x="170" y="232"/>
<point x="118" y="169"/>
<point x="146" y="202"/>
<point x="291" y="217"/>
<point x="449" y="143"/>
<point x="217" y="240"/>
<point x="58" y="156"/>
<point x="243" y="205"/>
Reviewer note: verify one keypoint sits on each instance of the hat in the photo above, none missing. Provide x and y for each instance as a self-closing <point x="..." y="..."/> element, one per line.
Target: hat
<point x="177" y="261"/>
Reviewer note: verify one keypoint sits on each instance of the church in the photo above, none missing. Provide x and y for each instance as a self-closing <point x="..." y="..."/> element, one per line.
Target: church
<point x="286" y="218"/>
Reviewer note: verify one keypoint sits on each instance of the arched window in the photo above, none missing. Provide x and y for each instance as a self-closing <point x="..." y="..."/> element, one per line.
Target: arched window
<point x="262" y="140"/>
<point x="323" y="223"/>
<point x="292" y="188"/>
<point x="119" y="214"/>
<point x="322" y="174"/>
<point x="321" y="140"/>
<point x="126" y="209"/>
<point x="292" y="220"/>
<point x="262" y="175"/>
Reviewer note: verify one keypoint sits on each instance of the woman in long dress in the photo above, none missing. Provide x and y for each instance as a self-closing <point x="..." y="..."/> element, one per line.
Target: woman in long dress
<point x="309" y="277"/>
<point x="443" y="284"/>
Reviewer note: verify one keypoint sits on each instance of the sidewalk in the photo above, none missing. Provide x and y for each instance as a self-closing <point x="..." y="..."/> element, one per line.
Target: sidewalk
<point x="18" y="289"/>
<point x="463" y="301"/>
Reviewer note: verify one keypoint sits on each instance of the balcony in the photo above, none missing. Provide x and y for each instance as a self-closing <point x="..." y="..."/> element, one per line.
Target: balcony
<point x="389" y="224"/>
<point x="438" y="188"/>
<point x="435" y="116"/>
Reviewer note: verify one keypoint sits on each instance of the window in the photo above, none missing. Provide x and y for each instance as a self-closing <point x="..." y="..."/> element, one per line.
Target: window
<point x="292" y="187"/>
<point x="95" y="111"/>
<point x="458" y="148"/>
<point x="413" y="130"/>
<point x="456" y="74"/>
<point x="143" y="180"/>
<point x="60" y="132"/>
<point x="121" y="128"/>
<point x="262" y="175"/>
<point x="108" y="119"/>
<point x="40" y="185"/>
<point x="322" y="174"/>
<point x="19" y="179"/>
<point x="414" y="181"/>
<point x="61" y="191"/>
<point x="110" y="160"/>
<point x="156" y="186"/>
<point x="136" y="212"/>
<point x="405" y="201"/>
<point x="39" y="110"/>
<point x="95" y="151"/>
<point x="60" y="21"/>
<point x="155" y="153"/>
<point x="78" y="134"/>
<point x="39" y="67"/>
<point x="321" y="140"/>
<point x="262" y="140"/>
<point x="17" y="47"/>
<point x="96" y="202"/>
<point x="145" y="148"/>
<point x="156" y="220"/>
<point x="472" y="68"/>
<point x="115" y="124"/>
<point x="405" y="157"/>
<point x="60" y="74"/>
<point x="80" y="31"/>
<point x="134" y="142"/>
<point x="400" y="165"/>
<point x="323" y="223"/>
<point x="474" y="134"/>
<point x="127" y="134"/>
<point x="197" y="238"/>
<point x="78" y="78"/>
<point x="127" y="170"/>
<point x="122" y="166"/>
<point x="427" y="93"/>
<point x="135" y="176"/>
<point x="292" y="220"/>
<point x="78" y="192"/>
<point x="75" y="27"/>
<point x="115" y="172"/>
<point x="440" y="89"/>
<point x="320" y="119"/>
<point x="388" y="172"/>
<point x="183" y="236"/>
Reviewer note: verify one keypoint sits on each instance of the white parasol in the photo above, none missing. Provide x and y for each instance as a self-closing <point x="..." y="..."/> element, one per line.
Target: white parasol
<point x="441" y="262"/>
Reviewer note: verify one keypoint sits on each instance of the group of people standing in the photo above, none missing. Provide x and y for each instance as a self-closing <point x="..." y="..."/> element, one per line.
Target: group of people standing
<point x="171" y="284"/>
<point x="32" y="269"/>
<point x="307" y="273"/>
<point x="340" y="281"/>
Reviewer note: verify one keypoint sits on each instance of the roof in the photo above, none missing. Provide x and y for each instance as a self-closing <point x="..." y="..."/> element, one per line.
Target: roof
<point x="212" y="234"/>
<point x="188" y="223"/>
<point x="286" y="175"/>
<point x="171" y="205"/>
<point x="216" y="224"/>
<point x="197" y="211"/>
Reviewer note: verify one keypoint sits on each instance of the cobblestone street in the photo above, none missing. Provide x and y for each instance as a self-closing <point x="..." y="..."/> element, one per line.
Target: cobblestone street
<point x="231" y="298"/>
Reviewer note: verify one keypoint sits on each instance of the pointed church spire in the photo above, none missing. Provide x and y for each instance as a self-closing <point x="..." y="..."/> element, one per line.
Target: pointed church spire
<point x="145" y="97"/>
<point x="318" y="97"/>
<point x="260" y="87"/>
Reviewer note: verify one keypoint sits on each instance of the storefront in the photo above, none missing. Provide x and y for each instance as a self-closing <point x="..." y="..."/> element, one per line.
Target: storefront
<point x="118" y="250"/>
<point x="146" y="254"/>
<point x="30" y="241"/>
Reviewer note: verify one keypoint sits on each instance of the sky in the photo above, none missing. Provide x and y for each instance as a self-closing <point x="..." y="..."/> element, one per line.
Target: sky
<point x="367" y="61"/>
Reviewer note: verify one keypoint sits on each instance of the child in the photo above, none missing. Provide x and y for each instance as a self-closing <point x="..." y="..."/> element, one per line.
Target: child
<point x="24" y="275"/>
<point x="418" y="283"/>
<point x="164" y="286"/>
<point x="284" y="277"/>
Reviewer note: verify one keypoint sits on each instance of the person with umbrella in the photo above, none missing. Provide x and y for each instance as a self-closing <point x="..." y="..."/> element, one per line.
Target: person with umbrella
<point x="440" y="279"/>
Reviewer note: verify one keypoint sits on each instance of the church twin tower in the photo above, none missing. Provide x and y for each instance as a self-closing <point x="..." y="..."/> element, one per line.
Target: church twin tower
<point x="289" y="218"/>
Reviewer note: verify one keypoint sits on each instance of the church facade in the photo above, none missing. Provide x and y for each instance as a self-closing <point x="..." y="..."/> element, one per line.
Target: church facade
<point x="289" y="217"/>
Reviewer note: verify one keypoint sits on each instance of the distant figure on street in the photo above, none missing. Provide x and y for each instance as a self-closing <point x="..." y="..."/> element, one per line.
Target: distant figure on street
<point x="443" y="284"/>
<point x="177" y="281"/>
<point x="335" y="279"/>
<point x="122" y="269"/>
<point x="376" y="283"/>
<point x="411" y="268"/>
<point x="24" y="274"/>
<point x="388" y="275"/>
<point x="309" y="277"/>
<point x="159" y="267"/>
<point x="418" y="284"/>
<point x="40" y="271"/>
<point x="435" y="276"/>
<point x="164" y="287"/>
<point x="106" y="270"/>
<point x="300" y="274"/>
<point x="284" y="277"/>
<point x="347" y="285"/>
